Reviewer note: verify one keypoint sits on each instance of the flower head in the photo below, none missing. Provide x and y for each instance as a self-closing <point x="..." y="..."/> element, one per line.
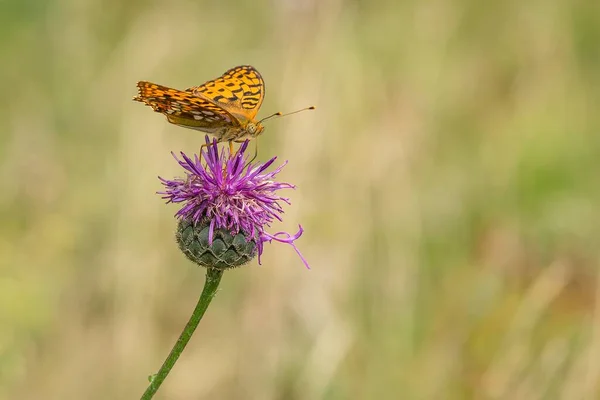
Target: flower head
<point x="230" y="193"/>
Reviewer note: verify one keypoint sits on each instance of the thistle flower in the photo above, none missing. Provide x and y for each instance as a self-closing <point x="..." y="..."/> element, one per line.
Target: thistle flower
<point x="227" y="205"/>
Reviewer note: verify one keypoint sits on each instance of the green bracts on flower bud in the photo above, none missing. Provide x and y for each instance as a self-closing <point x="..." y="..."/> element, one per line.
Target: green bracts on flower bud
<point x="227" y="250"/>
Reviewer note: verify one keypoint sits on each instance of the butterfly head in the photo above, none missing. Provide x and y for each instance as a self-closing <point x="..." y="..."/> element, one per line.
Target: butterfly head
<point x="254" y="129"/>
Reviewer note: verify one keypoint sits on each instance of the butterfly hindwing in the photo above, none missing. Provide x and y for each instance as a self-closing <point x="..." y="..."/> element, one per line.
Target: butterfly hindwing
<point x="184" y="108"/>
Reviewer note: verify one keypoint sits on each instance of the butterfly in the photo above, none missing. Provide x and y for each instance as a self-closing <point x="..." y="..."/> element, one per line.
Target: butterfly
<point x="225" y="107"/>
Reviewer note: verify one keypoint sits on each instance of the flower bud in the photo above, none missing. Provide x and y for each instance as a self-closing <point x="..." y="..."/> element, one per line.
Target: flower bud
<point x="226" y="251"/>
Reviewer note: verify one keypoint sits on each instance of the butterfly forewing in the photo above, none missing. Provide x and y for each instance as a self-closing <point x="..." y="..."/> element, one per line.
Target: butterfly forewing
<point x="240" y="90"/>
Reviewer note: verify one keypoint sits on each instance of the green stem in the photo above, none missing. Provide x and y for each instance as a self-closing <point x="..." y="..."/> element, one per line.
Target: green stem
<point x="213" y="277"/>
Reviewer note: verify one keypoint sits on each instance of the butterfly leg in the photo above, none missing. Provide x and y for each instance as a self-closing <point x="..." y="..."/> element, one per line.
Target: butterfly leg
<point x="202" y="148"/>
<point x="255" y="152"/>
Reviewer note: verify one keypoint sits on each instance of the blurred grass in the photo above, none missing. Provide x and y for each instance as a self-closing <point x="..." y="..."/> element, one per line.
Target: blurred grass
<point x="448" y="185"/>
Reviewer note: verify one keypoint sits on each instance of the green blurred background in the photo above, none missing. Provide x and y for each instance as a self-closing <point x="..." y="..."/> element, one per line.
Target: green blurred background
<point x="448" y="184"/>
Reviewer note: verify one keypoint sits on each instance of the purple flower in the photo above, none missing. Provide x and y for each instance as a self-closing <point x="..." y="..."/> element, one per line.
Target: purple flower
<point x="232" y="194"/>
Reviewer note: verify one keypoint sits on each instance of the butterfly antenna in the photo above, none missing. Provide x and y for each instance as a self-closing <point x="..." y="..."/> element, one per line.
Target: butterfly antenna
<point x="278" y="114"/>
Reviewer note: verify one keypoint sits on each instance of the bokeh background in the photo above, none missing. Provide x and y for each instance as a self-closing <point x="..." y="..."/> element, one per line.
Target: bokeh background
<point x="448" y="184"/>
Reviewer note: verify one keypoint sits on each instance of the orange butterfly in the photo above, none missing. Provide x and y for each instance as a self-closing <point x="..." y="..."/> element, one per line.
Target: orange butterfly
<point x="225" y="107"/>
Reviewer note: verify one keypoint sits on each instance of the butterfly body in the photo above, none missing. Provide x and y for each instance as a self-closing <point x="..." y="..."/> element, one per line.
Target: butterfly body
<point x="225" y="107"/>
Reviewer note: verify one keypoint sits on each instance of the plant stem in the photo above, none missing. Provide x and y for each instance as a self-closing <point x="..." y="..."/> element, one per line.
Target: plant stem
<point x="213" y="277"/>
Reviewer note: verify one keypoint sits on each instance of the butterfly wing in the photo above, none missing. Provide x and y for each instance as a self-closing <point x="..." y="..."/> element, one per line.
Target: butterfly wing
<point x="184" y="108"/>
<point x="240" y="91"/>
